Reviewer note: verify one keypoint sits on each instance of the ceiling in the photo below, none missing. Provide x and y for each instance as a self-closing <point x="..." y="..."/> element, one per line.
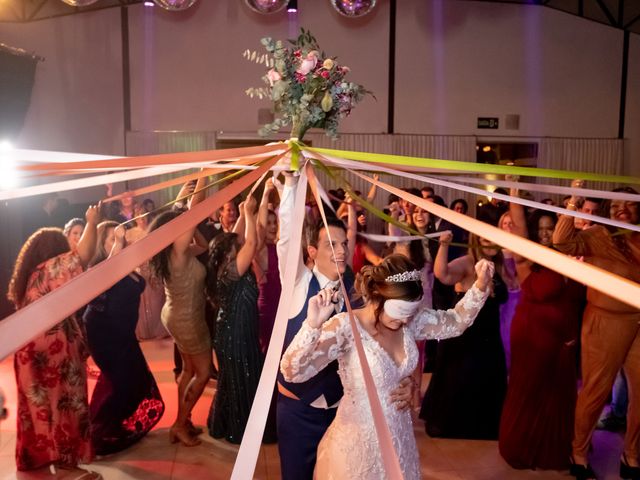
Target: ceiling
<point x="19" y="11"/>
<point x="622" y="14"/>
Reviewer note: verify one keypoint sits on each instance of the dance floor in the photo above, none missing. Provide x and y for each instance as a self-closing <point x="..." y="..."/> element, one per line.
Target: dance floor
<point x="154" y="458"/>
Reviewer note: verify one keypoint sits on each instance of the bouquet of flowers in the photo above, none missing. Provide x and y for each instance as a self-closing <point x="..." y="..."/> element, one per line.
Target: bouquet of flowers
<point x="308" y="89"/>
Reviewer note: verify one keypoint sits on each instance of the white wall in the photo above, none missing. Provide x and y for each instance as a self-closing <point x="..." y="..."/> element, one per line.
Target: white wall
<point x="461" y="60"/>
<point x="76" y="104"/>
<point x="632" y="123"/>
<point x="188" y="72"/>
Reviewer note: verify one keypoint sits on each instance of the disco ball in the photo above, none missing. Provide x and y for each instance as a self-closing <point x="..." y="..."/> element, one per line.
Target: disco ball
<point x="175" y="5"/>
<point x="266" y="6"/>
<point x="79" y="3"/>
<point x="353" y="8"/>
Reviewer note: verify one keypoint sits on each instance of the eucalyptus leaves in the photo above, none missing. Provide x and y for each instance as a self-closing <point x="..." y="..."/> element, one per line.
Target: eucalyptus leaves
<point x="308" y="89"/>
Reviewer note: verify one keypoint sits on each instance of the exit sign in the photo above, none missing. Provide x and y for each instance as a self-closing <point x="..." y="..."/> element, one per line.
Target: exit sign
<point x="488" y="122"/>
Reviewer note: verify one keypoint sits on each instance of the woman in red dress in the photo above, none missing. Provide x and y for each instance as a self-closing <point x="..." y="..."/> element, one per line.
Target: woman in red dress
<point x="53" y="411"/>
<point x="536" y="427"/>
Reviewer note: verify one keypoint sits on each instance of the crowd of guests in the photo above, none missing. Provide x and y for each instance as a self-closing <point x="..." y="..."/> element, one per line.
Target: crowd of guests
<point x="523" y="337"/>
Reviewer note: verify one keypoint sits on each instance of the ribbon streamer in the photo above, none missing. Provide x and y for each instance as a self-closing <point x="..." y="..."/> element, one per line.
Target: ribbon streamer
<point x="506" y="198"/>
<point x="459" y="166"/>
<point x="18" y="329"/>
<point x="608" y="283"/>
<point x="162" y="159"/>
<point x="536" y="187"/>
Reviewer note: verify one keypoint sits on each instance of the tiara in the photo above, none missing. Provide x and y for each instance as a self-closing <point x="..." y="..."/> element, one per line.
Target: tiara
<point x="410" y="276"/>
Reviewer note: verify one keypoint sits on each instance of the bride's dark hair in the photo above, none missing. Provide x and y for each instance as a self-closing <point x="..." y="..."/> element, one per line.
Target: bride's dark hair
<point x="371" y="282"/>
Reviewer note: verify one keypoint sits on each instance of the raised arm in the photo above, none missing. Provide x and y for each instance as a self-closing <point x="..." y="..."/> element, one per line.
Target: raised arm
<point x="247" y="252"/>
<point x="517" y="213"/>
<point x="87" y="243"/>
<point x="119" y="240"/>
<point x="447" y="272"/>
<point x="263" y="212"/>
<point x="565" y="237"/>
<point x="182" y="244"/>
<point x="441" y="324"/>
<point x="372" y="191"/>
<point x="318" y="342"/>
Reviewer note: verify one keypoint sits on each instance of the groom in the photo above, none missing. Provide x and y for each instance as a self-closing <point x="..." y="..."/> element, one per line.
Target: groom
<point x="305" y="410"/>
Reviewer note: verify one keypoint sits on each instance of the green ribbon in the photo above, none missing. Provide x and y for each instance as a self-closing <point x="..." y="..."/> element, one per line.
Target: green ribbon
<point x="453" y="165"/>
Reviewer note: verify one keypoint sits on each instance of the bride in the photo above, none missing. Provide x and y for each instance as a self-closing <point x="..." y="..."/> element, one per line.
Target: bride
<point x="389" y="324"/>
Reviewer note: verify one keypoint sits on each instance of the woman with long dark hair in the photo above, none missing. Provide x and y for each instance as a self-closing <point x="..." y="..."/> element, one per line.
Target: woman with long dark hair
<point x="389" y="323"/>
<point x="53" y="409"/>
<point x="183" y="315"/>
<point x="233" y="291"/>
<point x="471" y="366"/>
<point x="126" y="402"/>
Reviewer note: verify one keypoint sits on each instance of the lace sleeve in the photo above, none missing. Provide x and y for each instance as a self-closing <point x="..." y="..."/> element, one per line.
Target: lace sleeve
<point x="441" y="324"/>
<point x="312" y="349"/>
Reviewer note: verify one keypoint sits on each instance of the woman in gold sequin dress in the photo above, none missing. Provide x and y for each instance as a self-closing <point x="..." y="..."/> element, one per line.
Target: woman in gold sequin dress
<point x="183" y="316"/>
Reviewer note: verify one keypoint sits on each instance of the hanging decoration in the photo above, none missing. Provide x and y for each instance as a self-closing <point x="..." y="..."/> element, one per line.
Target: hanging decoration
<point x="79" y="3"/>
<point x="266" y="6"/>
<point x="175" y="5"/>
<point x="353" y="8"/>
<point x="308" y="89"/>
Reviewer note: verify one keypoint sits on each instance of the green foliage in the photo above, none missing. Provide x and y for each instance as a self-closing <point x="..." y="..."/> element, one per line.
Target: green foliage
<point x="298" y="79"/>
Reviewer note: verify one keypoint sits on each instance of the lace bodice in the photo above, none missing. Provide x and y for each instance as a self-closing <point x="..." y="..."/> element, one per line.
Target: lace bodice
<point x="350" y="448"/>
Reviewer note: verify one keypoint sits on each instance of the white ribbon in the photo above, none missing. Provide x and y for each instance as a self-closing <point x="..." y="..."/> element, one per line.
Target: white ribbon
<point x="535" y="187"/>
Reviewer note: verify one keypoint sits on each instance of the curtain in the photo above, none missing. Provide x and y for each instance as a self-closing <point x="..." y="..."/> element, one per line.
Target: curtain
<point x="596" y="155"/>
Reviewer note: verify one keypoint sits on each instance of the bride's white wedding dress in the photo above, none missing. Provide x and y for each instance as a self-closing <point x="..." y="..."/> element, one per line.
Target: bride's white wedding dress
<point x="349" y="448"/>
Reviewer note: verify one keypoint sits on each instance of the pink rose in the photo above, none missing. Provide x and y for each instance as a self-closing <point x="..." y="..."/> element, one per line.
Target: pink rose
<point x="273" y="76"/>
<point x="308" y="63"/>
<point x="324" y="74"/>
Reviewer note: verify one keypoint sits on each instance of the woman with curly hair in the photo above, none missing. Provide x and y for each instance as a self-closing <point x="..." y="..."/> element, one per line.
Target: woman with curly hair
<point x="389" y="323"/>
<point x="233" y="290"/>
<point x="183" y="316"/>
<point x="53" y="411"/>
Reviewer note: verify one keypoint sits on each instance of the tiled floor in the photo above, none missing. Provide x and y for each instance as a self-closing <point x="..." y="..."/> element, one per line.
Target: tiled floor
<point x="154" y="458"/>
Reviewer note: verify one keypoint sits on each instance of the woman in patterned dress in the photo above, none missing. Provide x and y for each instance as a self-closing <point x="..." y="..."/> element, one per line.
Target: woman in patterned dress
<point x="53" y="411"/>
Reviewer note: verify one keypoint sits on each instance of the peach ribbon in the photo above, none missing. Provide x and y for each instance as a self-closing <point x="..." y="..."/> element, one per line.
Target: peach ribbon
<point x="18" y="329"/>
<point x="606" y="282"/>
<point x="162" y="159"/>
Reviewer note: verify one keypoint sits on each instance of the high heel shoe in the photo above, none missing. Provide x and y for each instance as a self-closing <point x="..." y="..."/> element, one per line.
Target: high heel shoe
<point x="193" y="430"/>
<point x="182" y="435"/>
<point x="627" y="472"/>
<point x="581" y="472"/>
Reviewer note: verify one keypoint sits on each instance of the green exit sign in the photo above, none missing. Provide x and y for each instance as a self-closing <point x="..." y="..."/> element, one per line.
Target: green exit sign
<point x="488" y="122"/>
